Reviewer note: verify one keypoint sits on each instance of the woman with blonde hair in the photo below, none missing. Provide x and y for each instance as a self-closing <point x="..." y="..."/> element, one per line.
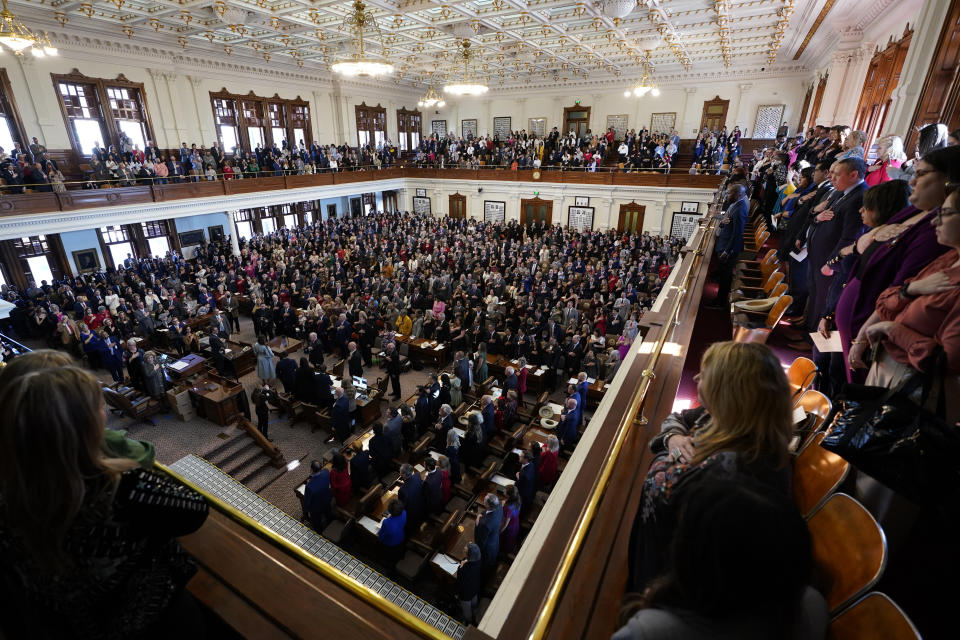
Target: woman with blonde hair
<point x="890" y="153"/>
<point x="744" y="390"/>
<point x="86" y="539"/>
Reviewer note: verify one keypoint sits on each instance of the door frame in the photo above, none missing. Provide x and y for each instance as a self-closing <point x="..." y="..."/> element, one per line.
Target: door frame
<point x="566" y="119"/>
<point x="535" y="202"/>
<point x="717" y="101"/>
<point x="458" y="197"/>
<point x="628" y="208"/>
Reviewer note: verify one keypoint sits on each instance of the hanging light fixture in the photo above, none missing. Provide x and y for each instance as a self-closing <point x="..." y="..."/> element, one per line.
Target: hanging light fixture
<point x="467" y="87"/>
<point x="17" y="37"/>
<point x="432" y="99"/>
<point x="646" y="84"/>
<point x="363" y="25"/>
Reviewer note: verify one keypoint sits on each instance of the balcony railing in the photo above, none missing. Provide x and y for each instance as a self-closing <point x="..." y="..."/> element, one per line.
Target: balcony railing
<point x="15" y="204"/>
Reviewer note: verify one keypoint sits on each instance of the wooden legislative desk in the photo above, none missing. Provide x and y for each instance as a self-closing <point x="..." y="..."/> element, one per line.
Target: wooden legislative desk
<point x="536" y="375"/>
<point x="277" y="345"/>
<point x="186" y="366"/>
<point x="218" y="399"/>
<point x="238" y="354"/>
<point x="425" y="351"/>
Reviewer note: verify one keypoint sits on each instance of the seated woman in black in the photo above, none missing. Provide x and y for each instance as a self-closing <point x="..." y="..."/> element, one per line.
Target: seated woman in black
<point x="745" y="391"/>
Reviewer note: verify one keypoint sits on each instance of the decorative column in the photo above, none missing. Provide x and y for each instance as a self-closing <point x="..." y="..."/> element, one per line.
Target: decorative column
<point x="49" y="123"/>
<point x="234" y="235"/>
<point x="735" y="113"/>
<point x="687" y="122"/>
<point x="205" y="133"/>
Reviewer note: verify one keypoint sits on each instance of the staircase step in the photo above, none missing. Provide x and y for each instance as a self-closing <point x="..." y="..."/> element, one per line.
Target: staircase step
<point x="246" y="447"/>
<point x="263" y="478"/>
<point x="250" y="468"/>
<point x="229" y="440"/>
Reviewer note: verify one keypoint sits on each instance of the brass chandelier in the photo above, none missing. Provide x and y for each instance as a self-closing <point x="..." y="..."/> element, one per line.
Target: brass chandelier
<point x="363" y="25"/>
<point x="18" y="37"/>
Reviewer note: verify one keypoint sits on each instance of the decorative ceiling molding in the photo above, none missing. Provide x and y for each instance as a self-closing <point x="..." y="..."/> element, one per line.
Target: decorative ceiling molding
<point x="813" y="28"/>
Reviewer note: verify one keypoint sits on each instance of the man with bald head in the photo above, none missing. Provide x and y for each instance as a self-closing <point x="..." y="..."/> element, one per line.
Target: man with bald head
<point x="729" y="243"/>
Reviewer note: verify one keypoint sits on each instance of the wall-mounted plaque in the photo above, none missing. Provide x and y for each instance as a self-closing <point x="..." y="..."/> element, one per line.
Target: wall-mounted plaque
<point x="468" y="129"/>
<point x="619" y="125"/>
<point x="537" y="127"/>
<point x="501" y="127"/>
<point x="580" y="218"/>
<point x="494" y="211"/>
<point x="581" y="201"/>
<point x="662" y="122"/>
<point x="421" y="206"/>
<point x="438" y="128"/>
<point x="684" y="224"/>
<point x="421" y="193"/>
<point x="690" y="207"/>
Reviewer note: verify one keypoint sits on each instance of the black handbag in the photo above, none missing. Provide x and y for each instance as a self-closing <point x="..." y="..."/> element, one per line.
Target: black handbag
<point x="887" y="435"/>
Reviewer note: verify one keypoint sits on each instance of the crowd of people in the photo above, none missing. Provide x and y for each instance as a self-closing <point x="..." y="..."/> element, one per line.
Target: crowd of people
<point x="872" y="251"/>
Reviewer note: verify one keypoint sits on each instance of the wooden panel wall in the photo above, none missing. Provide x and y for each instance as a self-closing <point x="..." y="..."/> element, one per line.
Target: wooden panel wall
<point x="941" y="94"/>
<point x="883" y="75"/>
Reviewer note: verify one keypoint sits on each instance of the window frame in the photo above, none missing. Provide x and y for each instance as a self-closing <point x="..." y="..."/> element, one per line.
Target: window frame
<point x="294" y="115"/>
<point x="108" y="121"/>
<point x="367" y="119"/>
<point x="9" y="109"/>
<point x="408" y="123"/>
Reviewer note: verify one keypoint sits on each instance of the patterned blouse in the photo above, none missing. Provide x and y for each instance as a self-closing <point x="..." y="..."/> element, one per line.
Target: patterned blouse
<point x="124" y="567"/>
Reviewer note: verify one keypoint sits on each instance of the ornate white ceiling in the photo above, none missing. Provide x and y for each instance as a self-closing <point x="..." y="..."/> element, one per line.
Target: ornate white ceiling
<point x="517" y="43"/>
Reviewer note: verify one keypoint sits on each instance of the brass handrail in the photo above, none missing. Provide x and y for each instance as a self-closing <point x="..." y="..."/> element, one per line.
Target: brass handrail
<point x="341" y="579"/>
<point x="583" y="526"/>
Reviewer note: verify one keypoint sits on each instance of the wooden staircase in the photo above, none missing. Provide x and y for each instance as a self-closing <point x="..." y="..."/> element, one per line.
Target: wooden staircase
<point x="247" y="456"/>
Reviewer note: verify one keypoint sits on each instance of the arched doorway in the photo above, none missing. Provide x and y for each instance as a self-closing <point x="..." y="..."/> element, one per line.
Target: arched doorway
<point x="458" y="206"/>
<point x="536" y="210"/>
<point x="631" y="218"/>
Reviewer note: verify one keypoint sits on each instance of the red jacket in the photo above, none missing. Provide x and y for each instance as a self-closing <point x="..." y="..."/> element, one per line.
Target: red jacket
<point x="548" y="467"/>
<point x="340" y="485"/>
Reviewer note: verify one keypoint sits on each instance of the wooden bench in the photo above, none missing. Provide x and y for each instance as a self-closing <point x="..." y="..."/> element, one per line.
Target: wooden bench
<point x="133" y="404"/>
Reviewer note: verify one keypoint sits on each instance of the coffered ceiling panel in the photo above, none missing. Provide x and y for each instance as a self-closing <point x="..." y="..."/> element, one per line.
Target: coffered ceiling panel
<point x="515" y="42"/>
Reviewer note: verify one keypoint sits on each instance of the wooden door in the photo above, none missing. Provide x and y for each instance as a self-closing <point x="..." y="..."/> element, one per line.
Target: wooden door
<point x="714" y="114"/>
<point x="576" y="119"/>
<point x="356" y="207"/>
<point x="536" y="210"/>
<point x="631" y="218"/>
<point x="458" y="206"/>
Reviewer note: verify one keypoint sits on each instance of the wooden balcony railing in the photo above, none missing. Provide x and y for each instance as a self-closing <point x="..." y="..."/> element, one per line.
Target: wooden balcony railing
<point x="569" y="577"/>
<point x="16" y="204"/>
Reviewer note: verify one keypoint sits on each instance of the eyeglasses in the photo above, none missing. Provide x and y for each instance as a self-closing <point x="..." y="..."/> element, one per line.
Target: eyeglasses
<point x="919" y="173"/>
<point x="944" y="212"/>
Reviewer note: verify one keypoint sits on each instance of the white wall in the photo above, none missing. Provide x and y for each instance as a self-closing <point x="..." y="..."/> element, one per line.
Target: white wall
<point x="78" y="241"/>
<point x="686" y="102"/>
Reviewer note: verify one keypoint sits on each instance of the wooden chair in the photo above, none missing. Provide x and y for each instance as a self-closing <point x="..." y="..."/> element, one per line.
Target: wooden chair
<point x="818" y="405"/>
<point x="337" y="370"/>
<point x="382" y="384"/>
<point x="133" y="405"/>
<point x="471" y="484"/>
<point x="505" y="441"/>
<point x="816" y="475"/>
<point x="875" y="617"/>
<point x="746" y="333"/>
<point x="800" y="375"/>
<point x="754" y="265"/>
<point x="849" y="550"/>
<point x="746" y="292"/>
<point x="756" y="278"/>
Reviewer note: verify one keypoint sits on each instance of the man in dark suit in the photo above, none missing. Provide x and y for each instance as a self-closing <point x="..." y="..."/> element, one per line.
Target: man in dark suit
<point x="567" y="429"/>
<point x="487" y="531"/>
<point x="317" y="497"/>
<point x="461" y="367"/>
<point x="488" y="412"/>
<point x="433" y="487"/>
<point x="729" y="243"/>
<point x="314" y="349"/>
<point x="526" y="483"/>
<point x="354" y="361"/>
<point x="411" y="494"/>
<point x="324" y="384"/>
<point x="340" y="417"/>
<point x="392" y="357"/>
<point x="510" y="382"/>
<point x="837" y="226"/>
<point x="219" y="322"/>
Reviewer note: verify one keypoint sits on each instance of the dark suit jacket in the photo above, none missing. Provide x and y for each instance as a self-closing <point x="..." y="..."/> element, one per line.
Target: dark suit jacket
<point x="317" y="498"/>
<point x="340" y="417"/>
<point x="411" y="494"/>
<point x="433" y="492"/>
<point x="356" y="364"/>
<point x="487" y="535"/>
<point x="527" y="484"/>
<point x="730" y="235"/>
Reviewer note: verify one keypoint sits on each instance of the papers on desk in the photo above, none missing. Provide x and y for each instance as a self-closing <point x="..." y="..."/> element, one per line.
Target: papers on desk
<point x="227" y="350"/>
<point x="446" y="563"/>
<point x="591" y="380"/>
<point x="496" y="392"/>
<point x="398" y="335"/>
<point x="572" y="381"/>
<point x="435" y="455"/>
<point x="369" y="524"/>
<point x="543" y="367"/>
<point x="178" y="366"/>
<point x="301" y="490"/>
<point x="515" y="361"/>
<point x="827" y="345"/>
<point x="419" y="468"/>
<point x="799" y="256"/>
<point x="539" y="372"/>
<point x="164" y="330"/>
<point x="439" y="347"/>
<point x="503" y="481"/>
<point x="555" y="407"/>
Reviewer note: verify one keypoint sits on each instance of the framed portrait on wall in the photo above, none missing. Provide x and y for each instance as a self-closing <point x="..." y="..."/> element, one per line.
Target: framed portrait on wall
<point x="421" y="193"/>
<point x="190" y="238"/>
<point x="537" y="126"/>
<point x="438" y="128"/>
<point x="216" y="233"/>
<point x="690" y="207"/>
<point x="421" y="205"/>
<point x="581" y="201"/>
<point x="468" y="129"/>
<point x="86" y="260"/>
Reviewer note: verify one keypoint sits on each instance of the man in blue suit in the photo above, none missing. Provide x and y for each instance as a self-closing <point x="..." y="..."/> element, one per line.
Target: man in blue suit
<point x="730" y="239"/>
<point x="340" y="417"/>
<point x="487" y="532"/>
<point x="411" y="494"/>
<point x="582" y="387"/>
<point x="567" y="428"/>
<point x="461" y="367"/>
<point x="317" y="497"/>
<point x="526" y="483"/>
<point x="489" y="417"/>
